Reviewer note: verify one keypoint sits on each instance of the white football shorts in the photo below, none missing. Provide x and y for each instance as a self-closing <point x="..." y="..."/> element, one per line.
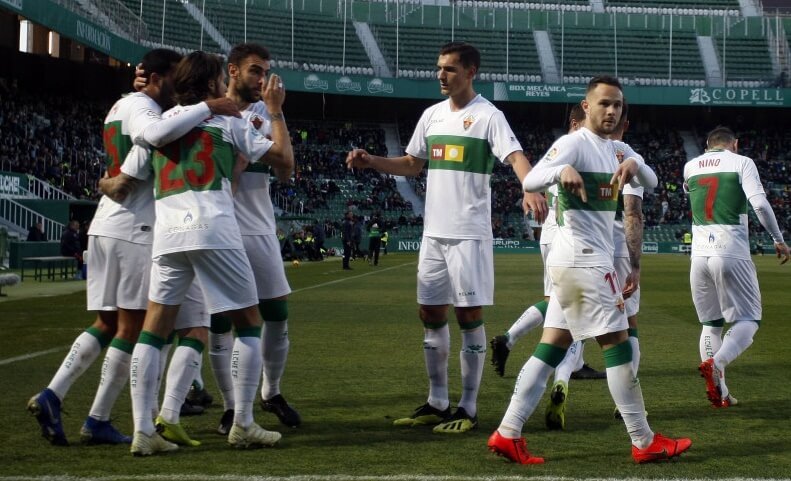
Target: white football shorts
<point x="118" y="274"/>
<point x="724" y="287"/>
<point x="590" y="300"/>
<point x="263" y="251"/>
<point x="455" y="271"/>
<point x="224" y="274"/>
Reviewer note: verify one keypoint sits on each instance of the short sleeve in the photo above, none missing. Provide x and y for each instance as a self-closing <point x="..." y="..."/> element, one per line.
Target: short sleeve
<point x="502" y="140"/>
<point x="417" y="144"/>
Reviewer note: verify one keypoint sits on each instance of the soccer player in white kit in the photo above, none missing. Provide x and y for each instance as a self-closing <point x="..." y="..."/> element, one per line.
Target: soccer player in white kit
<point x="248" y="68"/>
<point x="119" y="258"/>
<point x="461" y="137"/>
<point x="196" y="236"/>
<point x="722" y="276"/>
<point x="587" y="299"/>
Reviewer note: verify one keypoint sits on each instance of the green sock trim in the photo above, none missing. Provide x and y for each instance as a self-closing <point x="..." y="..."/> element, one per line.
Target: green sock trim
<point x="248" y="331"/>
<point x="435" y="325"/>
<point x="632" y="332"/>
<point x="618" y="354"/>
<point x="471" y="325"/>
<point x="198" y="386"/>
<point x="171" y="338"/>
<point x="550" y="354"/>
<point x="220" y="324"/>
<point x="123" y="345"/>
<point x="273" y="310"/>
<point x="104" y="341"/>
<point x="151" y="339"/>
<point x="715" y="323"/>
<point x="542" y="307"/>
<point x="193" y="343"/>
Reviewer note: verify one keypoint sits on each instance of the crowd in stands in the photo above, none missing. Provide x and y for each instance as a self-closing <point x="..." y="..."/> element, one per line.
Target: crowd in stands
<point x="58" y="139"/>
<point x="54" y="138"/>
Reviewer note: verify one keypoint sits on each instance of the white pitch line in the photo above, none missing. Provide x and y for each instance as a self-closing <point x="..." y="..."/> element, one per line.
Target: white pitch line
<point x="338" y="281"/>
<point x="31" y="355"/>
<point x="341" y="477"/>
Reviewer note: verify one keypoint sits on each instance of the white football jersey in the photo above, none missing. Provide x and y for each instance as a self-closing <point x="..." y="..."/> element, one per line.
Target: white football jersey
<point x="461" y="148"/>
<point x="192" y="184"/>
<point x="585" y="229"/>
<point x="133" y="219"/>
<point x="719" y="184"/>
<point x="254" y="210"/>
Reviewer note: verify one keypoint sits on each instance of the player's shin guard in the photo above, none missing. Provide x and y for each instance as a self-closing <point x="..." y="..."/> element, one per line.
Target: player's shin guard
<point x="627" y="394"/>
<point x="143" y="377"/>
<point x="186" y="362"/>
<point x="530" y="319"/>
<point x="275" y="345"/>
<point x="710" y="338"/>
<point x="530" y="386"/>
<point x="246" y="364"/>
<point x="83" y="353"/>
<point x="436" y="349"/>
<point x="472" y="358"/>
<point x="635" y="342"/>
<point x="738" y="338"/>
<point x="115" y="373"/>
<point x="220" y="349"/>
<point x="570" y="363"/>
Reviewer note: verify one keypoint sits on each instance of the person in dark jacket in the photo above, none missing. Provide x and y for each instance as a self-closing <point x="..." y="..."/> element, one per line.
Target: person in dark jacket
<point x="347" y="236"/>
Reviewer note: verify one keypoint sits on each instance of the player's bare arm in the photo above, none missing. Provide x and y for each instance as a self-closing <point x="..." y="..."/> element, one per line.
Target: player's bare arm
<point x="404" y="165"/>
<point x="281" y="155"/>
<point x="532" y="201"/>
<point x="633" y="229"/>
<point x="119" y="187"/>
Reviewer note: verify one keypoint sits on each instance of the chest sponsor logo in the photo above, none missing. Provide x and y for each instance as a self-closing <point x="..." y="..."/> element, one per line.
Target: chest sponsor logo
<point x="449" y="152"/>
<point x="608" y="192"/>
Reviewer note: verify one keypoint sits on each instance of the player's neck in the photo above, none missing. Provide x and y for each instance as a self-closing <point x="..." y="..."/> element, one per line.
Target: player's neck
<point x="459" y="101"/>
<point x="232" y="94"/>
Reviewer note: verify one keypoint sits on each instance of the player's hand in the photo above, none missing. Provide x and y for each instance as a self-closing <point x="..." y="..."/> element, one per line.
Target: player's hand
<point x="571" y="180"/>
<point x="358" y="158"/>
<point x="632" y="283"/>
<point x="274" y="93"/>
<point x="782" y="252"/>
<point x="140" y="81"/>
<point x="625" y="172"/>
<point x="536" y="203"/>
<point x="223" y="106"/>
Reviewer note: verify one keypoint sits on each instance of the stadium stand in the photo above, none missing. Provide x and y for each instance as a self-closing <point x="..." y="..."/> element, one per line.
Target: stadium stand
<point x="181" y="31"/>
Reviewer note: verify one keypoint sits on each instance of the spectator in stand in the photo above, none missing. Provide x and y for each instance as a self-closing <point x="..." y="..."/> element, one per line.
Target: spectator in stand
<point x="70" y="244"/>
<point x="348" y="239"/>
<point x="36" y="233"/>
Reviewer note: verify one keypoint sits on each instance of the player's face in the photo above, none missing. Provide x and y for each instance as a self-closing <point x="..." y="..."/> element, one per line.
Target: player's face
<point x="453" y="77"/>
<point x="249" y="78"/>
<point x="603" y="107"/>
<point x="217" y="88"/>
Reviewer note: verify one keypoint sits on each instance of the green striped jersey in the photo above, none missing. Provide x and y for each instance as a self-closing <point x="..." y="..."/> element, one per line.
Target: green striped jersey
<point x="461" y="148"/>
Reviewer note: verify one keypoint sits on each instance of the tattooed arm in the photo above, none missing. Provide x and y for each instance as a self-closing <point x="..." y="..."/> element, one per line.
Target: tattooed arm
<point x="633" y="228"/>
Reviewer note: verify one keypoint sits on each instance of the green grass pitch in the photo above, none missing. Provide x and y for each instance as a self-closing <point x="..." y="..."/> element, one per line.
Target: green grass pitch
<point x="356" y="364"/>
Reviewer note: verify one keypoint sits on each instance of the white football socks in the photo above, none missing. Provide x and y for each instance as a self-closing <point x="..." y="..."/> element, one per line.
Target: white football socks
<point x="436" y="349"/>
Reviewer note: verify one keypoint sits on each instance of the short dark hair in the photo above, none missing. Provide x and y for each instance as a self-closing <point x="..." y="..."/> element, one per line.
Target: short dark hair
<point x="159" y="61"/>
<point x="576" y="114"/>
<point x="603" y="79"/>
<point x="243" y="50"/>
<point x="721" y="135"/>
<point x="192" y="76"/>
<point x="469" y="56"/>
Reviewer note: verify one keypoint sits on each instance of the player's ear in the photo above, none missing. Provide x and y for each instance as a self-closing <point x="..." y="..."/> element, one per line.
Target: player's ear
<point x="233" y="70"/>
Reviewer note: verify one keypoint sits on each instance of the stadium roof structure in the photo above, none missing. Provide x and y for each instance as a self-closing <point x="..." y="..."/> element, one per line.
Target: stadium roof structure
<point x="673" y="51"/>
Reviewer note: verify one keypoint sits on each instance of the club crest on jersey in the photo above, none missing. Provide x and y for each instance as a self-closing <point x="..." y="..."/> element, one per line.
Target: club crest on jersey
<point x="257" y="121"/>
<point x="468" y="120"/>
<point x="619" y="153"/>
<point x="449" y="152"/>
